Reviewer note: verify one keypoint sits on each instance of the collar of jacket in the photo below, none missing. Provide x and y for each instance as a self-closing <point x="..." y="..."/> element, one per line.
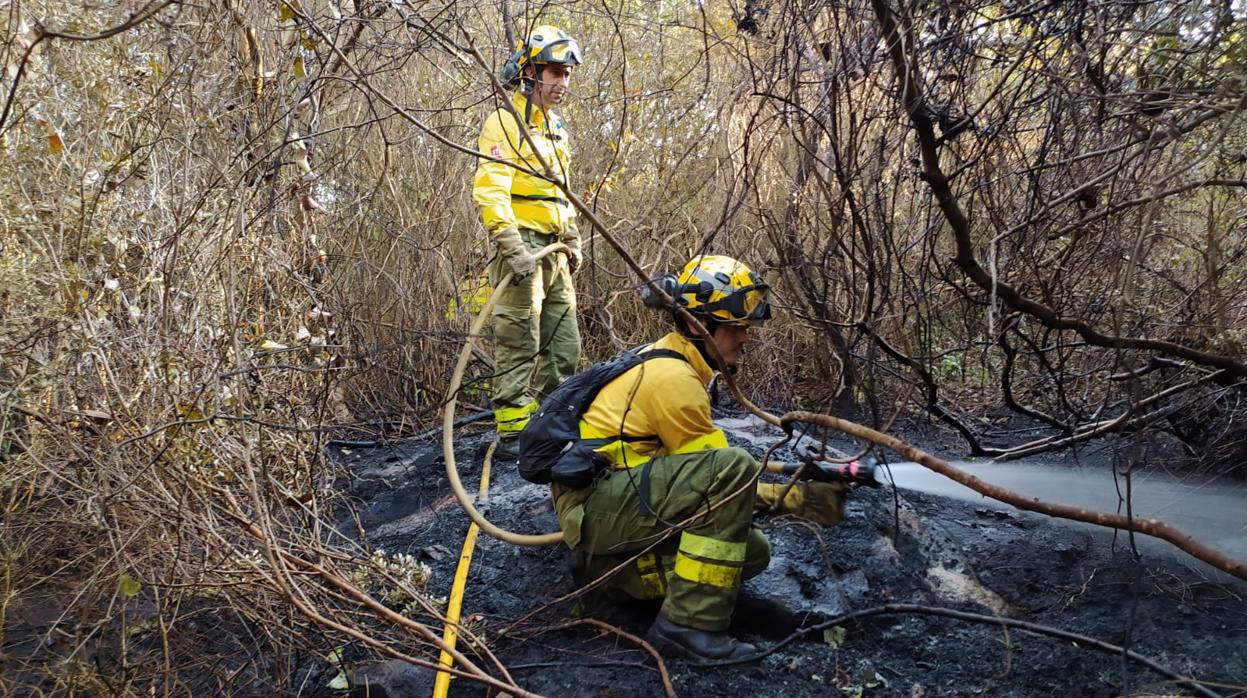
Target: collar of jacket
<point x="677" y="342"/>
<point x="537" y="117"/>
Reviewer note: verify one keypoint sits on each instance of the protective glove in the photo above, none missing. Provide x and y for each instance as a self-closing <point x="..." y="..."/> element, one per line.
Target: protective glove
<point x="511" y="246"/>
<point x="820" y="502"/>
<point x="571" y="238"/>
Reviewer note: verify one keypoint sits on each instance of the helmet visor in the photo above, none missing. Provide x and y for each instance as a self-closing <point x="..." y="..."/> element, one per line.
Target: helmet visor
<point x="751" y="304"/>
<point x="562" y="52"/>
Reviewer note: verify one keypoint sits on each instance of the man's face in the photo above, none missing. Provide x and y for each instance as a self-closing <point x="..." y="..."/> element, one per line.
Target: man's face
<point x="550" y="84"/>
<point x="730" y="340"/>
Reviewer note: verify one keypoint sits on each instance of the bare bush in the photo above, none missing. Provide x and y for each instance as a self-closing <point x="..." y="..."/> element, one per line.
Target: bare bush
<point x="231" y="231"/>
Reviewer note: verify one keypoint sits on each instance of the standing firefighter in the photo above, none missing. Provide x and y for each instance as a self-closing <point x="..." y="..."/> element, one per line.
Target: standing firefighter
<point x="662" y="464"/>
<point x="537" y="342"/>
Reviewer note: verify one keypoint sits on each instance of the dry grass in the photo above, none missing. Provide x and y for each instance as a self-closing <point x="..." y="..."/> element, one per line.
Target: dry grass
<point x="221" y="244"/>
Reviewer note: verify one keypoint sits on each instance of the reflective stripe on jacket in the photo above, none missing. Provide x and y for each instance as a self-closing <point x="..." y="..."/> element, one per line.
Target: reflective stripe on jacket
<point x="510" y="197"/>
<point x="662" y="405"/>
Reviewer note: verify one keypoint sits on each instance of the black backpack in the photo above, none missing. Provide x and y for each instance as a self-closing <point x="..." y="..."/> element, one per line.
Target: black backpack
<point x="550" y="446"/>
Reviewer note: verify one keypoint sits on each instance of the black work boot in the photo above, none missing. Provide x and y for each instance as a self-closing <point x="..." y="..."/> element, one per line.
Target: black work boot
<point x="680" y="641"/>
<point x="508" y="448"/>
<point x="578" y="565"/>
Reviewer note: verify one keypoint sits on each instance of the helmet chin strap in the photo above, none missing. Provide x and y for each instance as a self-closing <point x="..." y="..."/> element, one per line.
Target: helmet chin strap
<point x="529" y="87"/>
<point x="699" y="341"/>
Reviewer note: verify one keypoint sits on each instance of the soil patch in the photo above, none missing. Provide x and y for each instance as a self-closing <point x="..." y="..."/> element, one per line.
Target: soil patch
<point x="893" y="548"/>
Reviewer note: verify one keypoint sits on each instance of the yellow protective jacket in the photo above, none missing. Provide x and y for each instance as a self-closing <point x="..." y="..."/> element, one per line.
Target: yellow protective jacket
<point x="662" y="405"/>
<point x="510" y="197"/>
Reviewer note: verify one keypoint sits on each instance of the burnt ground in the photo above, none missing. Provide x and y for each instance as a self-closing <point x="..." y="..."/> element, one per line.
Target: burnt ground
<point x="948" y="554"/>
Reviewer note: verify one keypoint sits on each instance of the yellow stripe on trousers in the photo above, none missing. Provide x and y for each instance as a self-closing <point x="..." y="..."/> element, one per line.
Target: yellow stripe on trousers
<point x="699" y="572"/>
<point x="720" y="563"/>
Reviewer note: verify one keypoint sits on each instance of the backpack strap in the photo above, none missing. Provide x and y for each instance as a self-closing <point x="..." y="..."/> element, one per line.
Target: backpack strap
<point x="646" y="356"/>
<point x="555" y="451"/>
<point x="647" y="508"/>
<point x="660" y="354"/>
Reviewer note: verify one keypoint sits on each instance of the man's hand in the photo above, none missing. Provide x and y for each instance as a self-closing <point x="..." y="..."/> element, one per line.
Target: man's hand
<point x="574" y="255"/>
<point x="830" y="466"/>
<point x="574" y="258"/>
<point x="511" y="246"/>
<point x="820" y="502"/>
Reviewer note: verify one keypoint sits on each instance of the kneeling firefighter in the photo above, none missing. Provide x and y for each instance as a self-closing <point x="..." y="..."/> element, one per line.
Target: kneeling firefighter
<point x="632" y="453"/>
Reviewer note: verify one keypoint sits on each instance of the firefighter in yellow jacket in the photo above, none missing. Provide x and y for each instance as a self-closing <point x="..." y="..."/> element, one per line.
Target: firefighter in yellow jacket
<point x="537" y="341"/>
<point x="672" y="468"/>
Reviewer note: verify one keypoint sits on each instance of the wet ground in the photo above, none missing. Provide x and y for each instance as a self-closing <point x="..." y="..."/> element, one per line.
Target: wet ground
<point x="895" y="550"/>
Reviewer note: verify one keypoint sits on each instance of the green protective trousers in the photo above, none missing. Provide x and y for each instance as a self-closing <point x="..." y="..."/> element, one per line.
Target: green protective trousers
<point x="536" y="336"/>
<point x="697" y="571"/>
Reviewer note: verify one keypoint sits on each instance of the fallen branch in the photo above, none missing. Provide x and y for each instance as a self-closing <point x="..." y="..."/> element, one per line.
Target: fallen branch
<point x="1151" y="527"/>
<point x="1122" y="421"/>
<point x="899" y="608"/>
<point x="284" y="579"/>
<point x="668" y="689"/>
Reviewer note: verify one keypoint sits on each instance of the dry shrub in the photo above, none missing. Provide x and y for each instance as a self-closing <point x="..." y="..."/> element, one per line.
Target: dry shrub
<point x="220" y="247"/>
<point x="232" y="231"/>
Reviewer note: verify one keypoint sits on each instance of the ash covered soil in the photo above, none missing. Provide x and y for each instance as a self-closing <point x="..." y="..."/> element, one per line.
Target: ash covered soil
<point x="893" y="548"/>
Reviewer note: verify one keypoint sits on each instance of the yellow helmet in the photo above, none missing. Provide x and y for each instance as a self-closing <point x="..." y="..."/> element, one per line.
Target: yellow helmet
<point x="719" y="288"/>
<point x="546" y="45"/>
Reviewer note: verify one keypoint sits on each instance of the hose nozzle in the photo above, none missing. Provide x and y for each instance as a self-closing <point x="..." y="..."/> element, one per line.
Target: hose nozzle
<point x="854" y="473"/>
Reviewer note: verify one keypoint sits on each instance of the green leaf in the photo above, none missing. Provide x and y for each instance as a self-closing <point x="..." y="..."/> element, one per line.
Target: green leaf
<point x="129" y="585"/>
<point x="340" y="682"/>
<point x="834" y="636"/>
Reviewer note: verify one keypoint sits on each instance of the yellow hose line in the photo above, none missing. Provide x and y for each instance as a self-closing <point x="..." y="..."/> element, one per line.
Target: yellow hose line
<point x="479" y="523"/>
<point x="448" y="424"/>
<point x="450" y="635"/>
